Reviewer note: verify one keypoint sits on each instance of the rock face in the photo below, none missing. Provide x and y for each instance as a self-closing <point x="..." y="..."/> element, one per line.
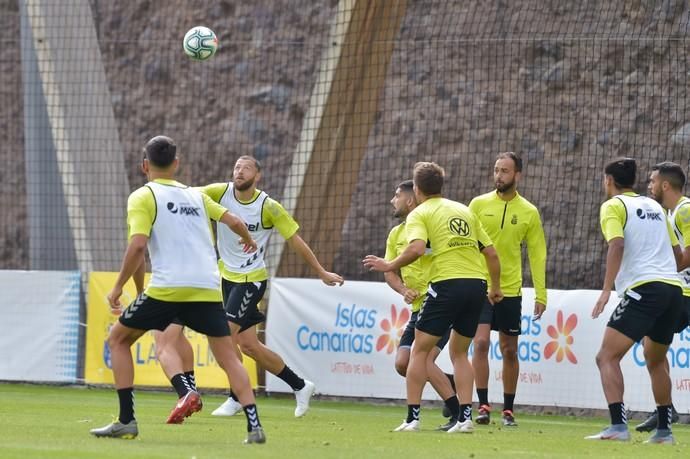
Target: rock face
<point x="568" y="85"/>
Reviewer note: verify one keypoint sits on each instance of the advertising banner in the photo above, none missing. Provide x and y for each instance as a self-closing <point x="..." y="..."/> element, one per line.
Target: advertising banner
<point x="345" y="339"/>
<point x="39" y="330"/>
<point x="147" y="370"/>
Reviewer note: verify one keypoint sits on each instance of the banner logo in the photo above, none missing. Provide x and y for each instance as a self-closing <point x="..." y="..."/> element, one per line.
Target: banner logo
<point x="392" y="329"/>
<point x="352" y="332"/>
<point x="561" y="338"/>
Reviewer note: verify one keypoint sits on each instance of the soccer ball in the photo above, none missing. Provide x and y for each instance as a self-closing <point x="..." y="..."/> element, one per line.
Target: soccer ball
<point x="200" y="43"/>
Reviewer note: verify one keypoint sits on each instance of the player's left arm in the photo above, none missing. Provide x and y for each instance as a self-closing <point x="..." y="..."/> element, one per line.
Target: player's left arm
<point x="612" y="219"/>
<point x="218" y="213"/>
<point x="274" y="215"/>
<point x="683" y="222"/>
<point x="297" y="244"/>
<point x="536" y="252"/>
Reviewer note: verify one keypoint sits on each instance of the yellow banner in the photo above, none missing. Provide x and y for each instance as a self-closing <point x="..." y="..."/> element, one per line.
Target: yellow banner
<point x="147" y="370"/>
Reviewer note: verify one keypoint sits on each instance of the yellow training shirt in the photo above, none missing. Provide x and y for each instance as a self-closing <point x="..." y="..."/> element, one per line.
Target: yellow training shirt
<point x="509" y="224"/>
<point x="415" y="275"/>
<point x="455" y="236"/>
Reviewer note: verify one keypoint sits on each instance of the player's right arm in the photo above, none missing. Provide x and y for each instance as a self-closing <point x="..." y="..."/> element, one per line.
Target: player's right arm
<point x="417" y="236"/>
<point x="392" y="278"/>
<point x="414" y="250"/>
<point x="396" y="283"/>
<point x="138" y="277"/>
<point x="141" y="211"/>
<point x="133" y="259"/>
<point x="493" y="263"/>
<point x="612" y="218"/>
<point x="238" y="227"/>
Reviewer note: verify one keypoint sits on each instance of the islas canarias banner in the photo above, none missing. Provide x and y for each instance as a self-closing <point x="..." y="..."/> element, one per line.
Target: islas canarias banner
<point x="345" y="339"/>
<point x="147" y="369"/>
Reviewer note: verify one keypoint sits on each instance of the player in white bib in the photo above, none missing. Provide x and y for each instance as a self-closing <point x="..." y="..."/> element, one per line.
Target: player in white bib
<point x="641" y="264"/>
<point x="666" y="182"/>
<point x="172" y="220"/>
<point x="244" y="280"/>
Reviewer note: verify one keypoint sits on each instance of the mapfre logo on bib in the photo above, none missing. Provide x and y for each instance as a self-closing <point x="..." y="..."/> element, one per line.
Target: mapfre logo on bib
<point x="646" y="214"/>
<point x="184" y="209"/>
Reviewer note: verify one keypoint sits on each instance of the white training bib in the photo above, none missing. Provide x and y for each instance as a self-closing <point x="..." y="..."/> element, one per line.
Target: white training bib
<point x="181" y="243"/>
<point x="648" y="254"/>
<point x="234" y="258"/>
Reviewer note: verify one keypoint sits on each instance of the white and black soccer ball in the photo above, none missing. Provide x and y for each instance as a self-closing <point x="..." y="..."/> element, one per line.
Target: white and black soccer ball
<point x="200" y="43"/>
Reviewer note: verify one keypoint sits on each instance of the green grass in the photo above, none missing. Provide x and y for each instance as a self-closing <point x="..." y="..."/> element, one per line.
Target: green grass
<point x="54" y="422"/>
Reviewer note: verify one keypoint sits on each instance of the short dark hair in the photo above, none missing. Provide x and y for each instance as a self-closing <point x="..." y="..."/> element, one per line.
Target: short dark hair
<point x="428" y="177"/>
<point x="257" y="163"/>
<point x="161" y="151"/>
<point x="672" y="173"/>
<point x="514" y="156"/>
<point x="623" y="171"/>
<point x="406" y="185"/>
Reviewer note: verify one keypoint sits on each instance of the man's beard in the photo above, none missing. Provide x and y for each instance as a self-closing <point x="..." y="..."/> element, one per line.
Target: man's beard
<point x="244" y="186"/>
<point x="657" y="197"/>
<point x="505" y="187"/>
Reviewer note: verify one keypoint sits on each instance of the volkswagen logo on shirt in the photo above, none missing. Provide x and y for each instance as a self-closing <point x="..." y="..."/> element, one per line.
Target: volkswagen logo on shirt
<point x="459" y="226"/>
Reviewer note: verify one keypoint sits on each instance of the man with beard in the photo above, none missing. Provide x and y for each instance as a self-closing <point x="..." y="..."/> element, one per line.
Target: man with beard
<point x="412" y="285"/>
<point x="641" y="264"/>
<point x="244" y="280"/>
<point x="509" y="220"/>
<point x="455" y="292"/>
<point x="665" y="186"/>
<point x="183" y="285"/>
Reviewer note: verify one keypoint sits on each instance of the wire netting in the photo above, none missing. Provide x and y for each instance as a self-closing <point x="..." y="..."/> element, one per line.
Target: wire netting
<point x="338" y="118"/>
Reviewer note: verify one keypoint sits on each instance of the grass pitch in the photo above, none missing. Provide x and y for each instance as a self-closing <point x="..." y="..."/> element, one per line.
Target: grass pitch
<point x="54" y="422"/>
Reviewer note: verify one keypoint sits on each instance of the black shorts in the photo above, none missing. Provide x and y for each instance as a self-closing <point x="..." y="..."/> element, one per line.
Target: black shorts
<point x="455" y="303"/>
<point x="241" y="302"/>
<point x="205" y="317"/>
<point x="504" y="316"/>
<point x="684" y="320"/>
<point x="653" y="309"/>
<point x="407" y="337"/>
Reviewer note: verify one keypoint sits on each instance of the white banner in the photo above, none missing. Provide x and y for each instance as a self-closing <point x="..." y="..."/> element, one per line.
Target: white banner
<point x="39" y="331"/>
<point x="344" y="339"/>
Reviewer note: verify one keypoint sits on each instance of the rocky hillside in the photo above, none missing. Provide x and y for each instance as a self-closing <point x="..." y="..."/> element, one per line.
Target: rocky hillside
<point x="569" y="85"/>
